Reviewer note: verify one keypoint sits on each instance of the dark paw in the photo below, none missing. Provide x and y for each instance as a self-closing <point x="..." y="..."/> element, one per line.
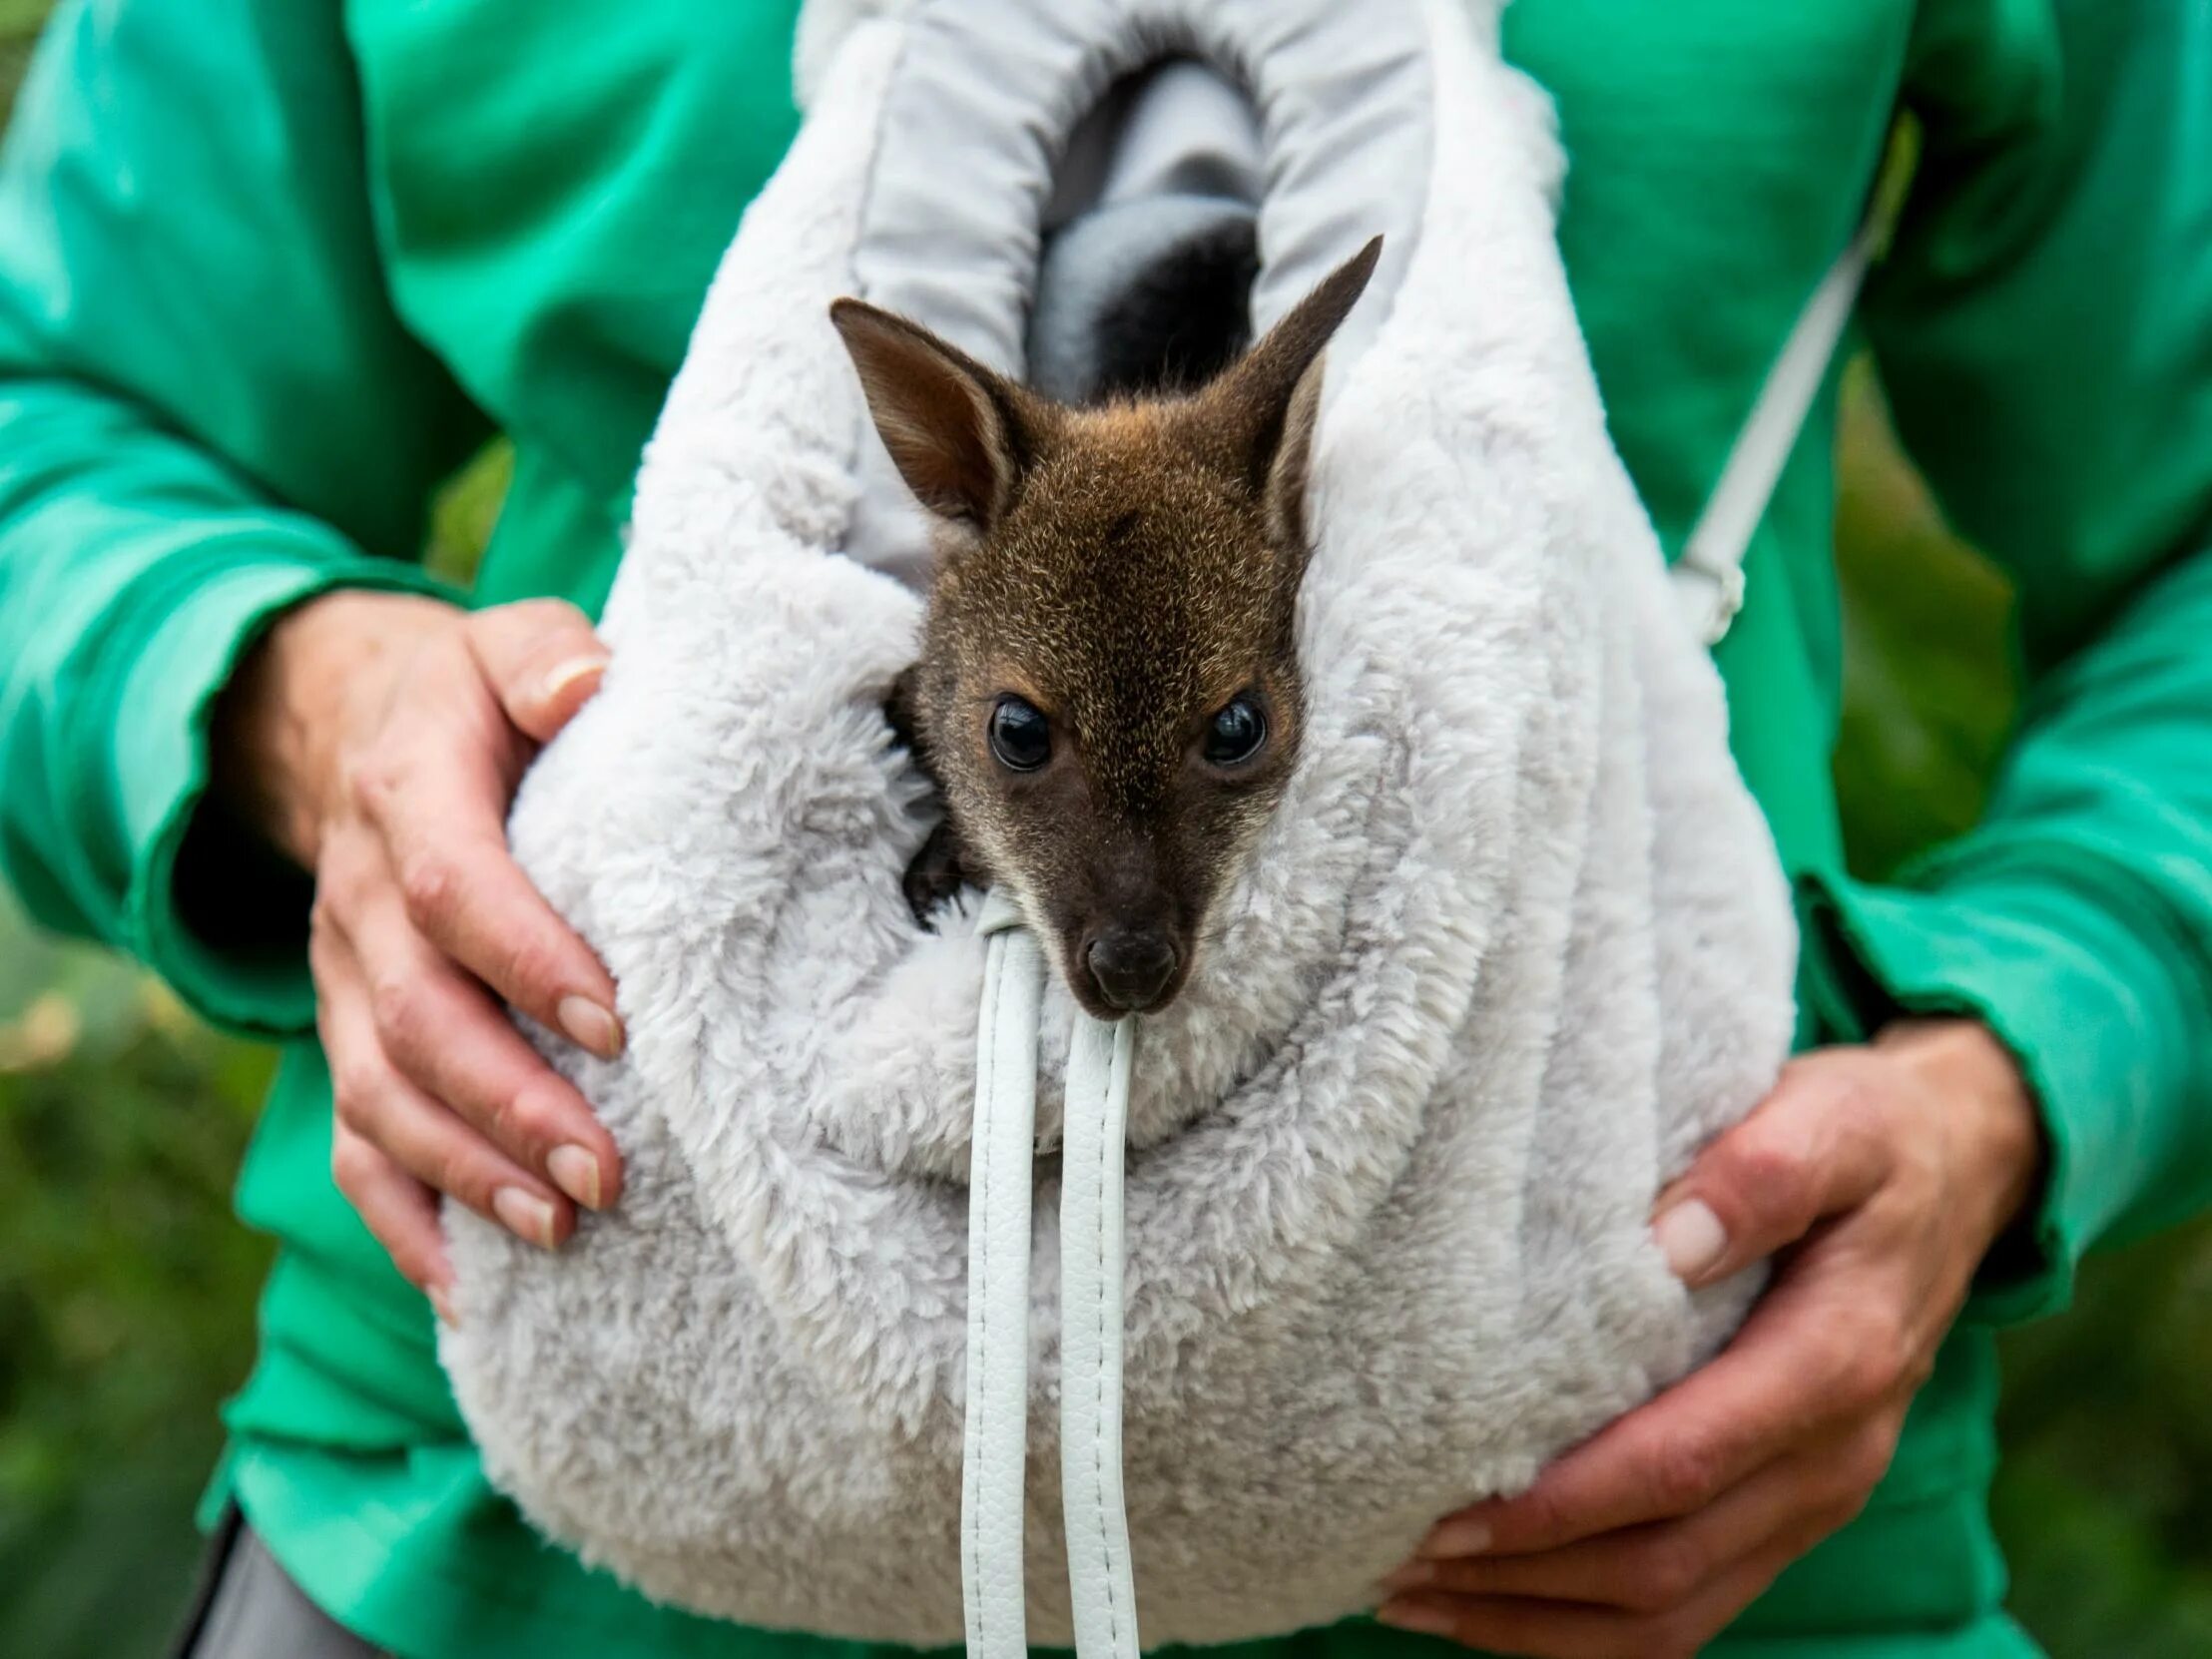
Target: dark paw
<point x="898" y="710"/>
<point x="936" y="875"/>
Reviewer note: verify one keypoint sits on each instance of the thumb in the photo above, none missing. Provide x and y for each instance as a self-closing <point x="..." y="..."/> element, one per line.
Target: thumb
<point x="1812" y="1149"/>
<point x="541" y="659"/>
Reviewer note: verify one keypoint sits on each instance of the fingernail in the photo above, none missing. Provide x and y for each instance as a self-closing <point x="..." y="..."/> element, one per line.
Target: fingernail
<point x="525" y="1215"/>
<point x="591" y="1026"/>
<point x="1412" y="1576"/>
<point x="1464" y="1536"/>
<point x="564" y="676"/>
<point x="1421" y="1617"/>
<point x="576" y="1172"/>
<point x="1691" y="1237"/>
<point x="444" y="1304"/>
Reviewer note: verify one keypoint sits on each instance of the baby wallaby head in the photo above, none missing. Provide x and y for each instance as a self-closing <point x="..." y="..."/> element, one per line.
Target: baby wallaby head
<point x="1108" y="691"/>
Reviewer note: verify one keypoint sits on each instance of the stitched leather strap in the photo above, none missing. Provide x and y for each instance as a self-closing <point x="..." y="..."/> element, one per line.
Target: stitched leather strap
<point x="995" y="1447"/>
<point x="993" y="1484"/>
<point x="1101" y="1589"/>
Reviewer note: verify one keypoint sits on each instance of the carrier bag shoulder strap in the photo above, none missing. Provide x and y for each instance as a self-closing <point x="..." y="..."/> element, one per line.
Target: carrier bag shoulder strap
<point x="1709" y="574"/>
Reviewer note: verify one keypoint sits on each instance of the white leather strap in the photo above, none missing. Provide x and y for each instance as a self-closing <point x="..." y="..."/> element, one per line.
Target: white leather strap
<point x="993" y="1475"/>
<point x="1102" y="1591"/>
<point x="995" y="1447"/>
<point x="1709" y="575"/>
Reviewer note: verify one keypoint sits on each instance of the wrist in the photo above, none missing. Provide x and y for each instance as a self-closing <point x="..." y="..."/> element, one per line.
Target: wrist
<point x="280" y="725"/>
<point x="1995" y="1129"/>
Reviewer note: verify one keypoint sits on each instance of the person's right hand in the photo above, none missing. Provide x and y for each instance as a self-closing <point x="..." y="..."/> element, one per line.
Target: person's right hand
<point x="377" y="738"/>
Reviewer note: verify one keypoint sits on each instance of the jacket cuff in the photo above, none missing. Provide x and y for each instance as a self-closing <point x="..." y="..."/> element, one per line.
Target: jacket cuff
<point x="190" y="861"/>
<point x="2060" y="978"/>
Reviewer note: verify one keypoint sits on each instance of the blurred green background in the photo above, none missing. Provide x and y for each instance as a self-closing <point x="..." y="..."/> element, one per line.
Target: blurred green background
<point x="127" y="1291"/>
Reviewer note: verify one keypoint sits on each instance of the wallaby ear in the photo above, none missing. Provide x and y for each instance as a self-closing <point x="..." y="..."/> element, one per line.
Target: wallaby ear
<point x="1266" y="406"/>
<point x="1283" y="492"/>
<point x="960" y="434"/>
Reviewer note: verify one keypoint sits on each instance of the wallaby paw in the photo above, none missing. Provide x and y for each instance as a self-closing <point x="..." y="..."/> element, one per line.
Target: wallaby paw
<point x="936" y="875"/>
<point x="898" y="711"/>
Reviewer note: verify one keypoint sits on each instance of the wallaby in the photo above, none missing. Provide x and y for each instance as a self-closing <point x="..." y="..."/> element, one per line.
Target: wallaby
<point x="1108" y="693"/>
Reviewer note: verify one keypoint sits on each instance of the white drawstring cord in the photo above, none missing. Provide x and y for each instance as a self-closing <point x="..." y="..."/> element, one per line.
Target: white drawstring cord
<point x="1709" y="573"/>
<point x="993" y="1487"/>
<point x="1102" y="1589"/>
<point x="995" y="1450"/>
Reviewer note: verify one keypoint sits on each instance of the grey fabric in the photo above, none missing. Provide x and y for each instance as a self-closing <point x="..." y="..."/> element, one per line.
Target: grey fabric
<point x="255" y="1611"/>
<point x="1141" y="296"/>
<point x="990" y="96"/>
<point x="1181" y="129"/>
<point x="990" y="128"/>
<point x="1168" y="165"/>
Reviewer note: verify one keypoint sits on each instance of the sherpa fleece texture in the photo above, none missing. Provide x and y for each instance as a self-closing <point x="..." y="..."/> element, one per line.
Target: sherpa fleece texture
<point x="1515" y="943"/>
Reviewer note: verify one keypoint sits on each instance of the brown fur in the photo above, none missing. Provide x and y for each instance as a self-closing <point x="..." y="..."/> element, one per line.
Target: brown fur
<point x="1127" y="570"/>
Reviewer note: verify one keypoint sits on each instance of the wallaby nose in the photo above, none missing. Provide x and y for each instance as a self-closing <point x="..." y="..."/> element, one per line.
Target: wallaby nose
<point x="1131" y="969"/>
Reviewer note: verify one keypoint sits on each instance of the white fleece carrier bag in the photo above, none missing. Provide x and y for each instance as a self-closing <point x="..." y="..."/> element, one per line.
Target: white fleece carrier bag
<point x="894" y="1327"/>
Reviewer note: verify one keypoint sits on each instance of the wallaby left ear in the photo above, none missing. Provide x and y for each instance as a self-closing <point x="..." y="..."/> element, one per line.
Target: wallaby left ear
<point x="1268" y="402"/>
<point x="960" y="435"/>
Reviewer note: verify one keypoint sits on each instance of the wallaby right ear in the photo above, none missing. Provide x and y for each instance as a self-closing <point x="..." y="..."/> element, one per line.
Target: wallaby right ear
<point x="1265" y="405"/>
<point x="960" y="435"/>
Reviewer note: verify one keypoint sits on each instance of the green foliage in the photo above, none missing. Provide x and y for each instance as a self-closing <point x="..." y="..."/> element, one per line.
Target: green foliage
<point x="126" y="1291"/>
<point x="462" y="519"/>
<point x="19" y="26"/>
<point x="2105" y="1496"/>
<point x="1928" y="682"/>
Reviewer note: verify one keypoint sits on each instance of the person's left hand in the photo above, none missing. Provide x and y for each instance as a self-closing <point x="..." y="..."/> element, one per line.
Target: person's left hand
<point x="1883" y="1175"/>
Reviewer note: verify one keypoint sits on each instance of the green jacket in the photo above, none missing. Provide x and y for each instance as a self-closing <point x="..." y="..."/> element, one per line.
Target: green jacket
<point x="271" y="269"/>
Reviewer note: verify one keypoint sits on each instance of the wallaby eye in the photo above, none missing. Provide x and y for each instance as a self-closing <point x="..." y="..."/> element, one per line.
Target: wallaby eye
<point x="1021" y="737"/>
<point x="1238" y="731"/>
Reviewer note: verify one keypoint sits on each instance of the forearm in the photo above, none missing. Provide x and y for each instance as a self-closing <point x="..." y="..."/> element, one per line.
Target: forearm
<point x="2076" y="923"/>
<point x="208" y="413"/>
<point x="2042" y="324"/>
<point x="136" y="574"/>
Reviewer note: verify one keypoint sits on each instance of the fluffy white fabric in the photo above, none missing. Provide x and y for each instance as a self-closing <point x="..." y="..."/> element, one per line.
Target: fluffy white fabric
<point x="1516" y="941"/>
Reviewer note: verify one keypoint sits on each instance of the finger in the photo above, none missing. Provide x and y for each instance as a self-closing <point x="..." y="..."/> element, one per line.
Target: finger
<point x="1565" y="1630"/>
<point x="541" y="659"/>
<point x="416" y="1133"/>
<point x="1657" y="1567"/>
<point x="441" y="819"/>
<point x="400" y="1213"/>
<point x="448" y="1156"/>
<point x="445" y="1034"/>
<point x="1812" y="1149"/>
<point x="1813" y="1353"/>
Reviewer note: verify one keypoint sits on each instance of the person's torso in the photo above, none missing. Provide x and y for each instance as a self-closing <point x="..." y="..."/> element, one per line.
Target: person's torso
<point x="554" y="182"/>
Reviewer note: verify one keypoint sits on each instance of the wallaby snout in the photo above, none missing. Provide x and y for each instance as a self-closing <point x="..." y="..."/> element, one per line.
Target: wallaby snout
<point x="1132" y="969"/>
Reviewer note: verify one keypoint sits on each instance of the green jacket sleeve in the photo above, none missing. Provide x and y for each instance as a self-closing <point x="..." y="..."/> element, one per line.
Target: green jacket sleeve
<point x="2044" y="328"/>
<point x="208" y="411"/>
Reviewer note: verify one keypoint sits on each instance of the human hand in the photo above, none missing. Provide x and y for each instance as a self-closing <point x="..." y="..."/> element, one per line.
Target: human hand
<point x="1882" y="1175"/>
<point x="377" y="738"/>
